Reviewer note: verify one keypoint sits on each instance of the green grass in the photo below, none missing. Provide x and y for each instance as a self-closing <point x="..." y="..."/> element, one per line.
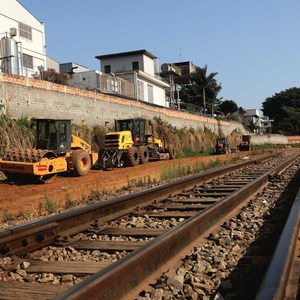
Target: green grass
<point x="145" y="181"/>
<point x="8" y="216"/>
<point x="179" y="171"/>
<point x="50" y="206"/>
<point x="190" y="153"/>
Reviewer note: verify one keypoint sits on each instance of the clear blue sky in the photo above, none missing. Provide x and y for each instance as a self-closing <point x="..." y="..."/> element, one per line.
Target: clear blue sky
<point x="254" y="45"/>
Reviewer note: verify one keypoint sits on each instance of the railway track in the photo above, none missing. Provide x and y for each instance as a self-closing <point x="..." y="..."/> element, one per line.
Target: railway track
<point x="282" y="279"/>
<point x="112" y="250"/>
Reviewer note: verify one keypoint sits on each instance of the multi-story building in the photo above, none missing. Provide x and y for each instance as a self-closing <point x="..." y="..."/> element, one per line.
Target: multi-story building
<point x="180" y="72"/>
<point x="255" y="119"/>
<point x="140" y="68"/>
<point x="22" y="40"/>
<point x="177" y="74"/>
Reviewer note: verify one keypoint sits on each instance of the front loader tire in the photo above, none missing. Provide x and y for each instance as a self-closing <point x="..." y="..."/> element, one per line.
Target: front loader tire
<point x="81" y="162"/>
<point x="133" y="156"/>
<point x="144" y="154"/>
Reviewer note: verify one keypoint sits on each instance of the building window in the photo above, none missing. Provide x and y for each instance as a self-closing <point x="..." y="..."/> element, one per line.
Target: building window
<point x="27" y="61"/>
<point x="140" y="90"/>
<point x="150" y="93"/>
<point x="107" y="69"/>
<point x="25" y="31"/>
<point x="135" y="65"/>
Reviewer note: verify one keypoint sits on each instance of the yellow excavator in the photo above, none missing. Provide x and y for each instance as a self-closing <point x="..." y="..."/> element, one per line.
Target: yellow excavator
<point x="133" y="143"/>
<point x="57" y="151"/>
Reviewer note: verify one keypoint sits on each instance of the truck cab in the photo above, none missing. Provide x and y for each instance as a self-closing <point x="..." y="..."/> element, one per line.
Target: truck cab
<point x="53" y="135"/>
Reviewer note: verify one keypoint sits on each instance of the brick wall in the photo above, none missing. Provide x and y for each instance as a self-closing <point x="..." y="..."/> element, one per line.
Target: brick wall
<point x="32" y="98"/>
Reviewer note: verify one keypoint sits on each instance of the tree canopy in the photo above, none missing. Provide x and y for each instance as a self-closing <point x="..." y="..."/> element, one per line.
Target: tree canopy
<point x="203" y="91"/>
<point x="284" y="109"/>
<point x="228" y="107"/>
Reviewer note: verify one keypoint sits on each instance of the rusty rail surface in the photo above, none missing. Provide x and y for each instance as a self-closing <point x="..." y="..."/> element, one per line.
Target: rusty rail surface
<point x="120" y="278"/>
<point x="277" y="279"/>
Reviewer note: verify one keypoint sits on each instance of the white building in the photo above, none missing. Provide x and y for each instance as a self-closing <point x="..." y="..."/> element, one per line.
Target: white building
<point x="141" y="69"/>
<point x="22" y="40"/>
<point x="81" y="76"/>
<point x="255" y="119"/>
<point x="86" y="80"/>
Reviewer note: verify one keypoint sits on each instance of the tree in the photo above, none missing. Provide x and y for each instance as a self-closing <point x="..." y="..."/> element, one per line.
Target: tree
<point x="228" y="107"/>
<point x="242" y="110"/>
<point x="51" y="75"/>
<point x="190" y="94"/>
<point x="284" y="109"/>
<point x="203" y="91"/>
<point x="213" y="103"/>
<point x="206" y="83"/>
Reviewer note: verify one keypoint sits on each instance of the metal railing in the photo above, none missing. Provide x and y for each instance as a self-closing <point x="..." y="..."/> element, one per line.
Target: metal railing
<point x="115" y="85"/>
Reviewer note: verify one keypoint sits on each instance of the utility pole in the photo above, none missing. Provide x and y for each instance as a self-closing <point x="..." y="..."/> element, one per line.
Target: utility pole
<point x="204" y="101"/>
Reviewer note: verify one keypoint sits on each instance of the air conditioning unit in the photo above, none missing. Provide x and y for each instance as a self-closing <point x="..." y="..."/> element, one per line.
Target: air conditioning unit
<point x="13" y="31"/>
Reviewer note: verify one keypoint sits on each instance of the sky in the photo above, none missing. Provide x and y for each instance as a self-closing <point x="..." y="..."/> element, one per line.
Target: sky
<point x="254" y="45"/>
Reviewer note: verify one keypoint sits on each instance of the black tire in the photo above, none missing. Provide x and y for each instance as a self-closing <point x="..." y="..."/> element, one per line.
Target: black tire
<point x="81" y="162"/>
<point x="132" y="156"/>
<point x="171" y="151"/>
<point x="101" y="156"/>
<point x="144" y="154"/>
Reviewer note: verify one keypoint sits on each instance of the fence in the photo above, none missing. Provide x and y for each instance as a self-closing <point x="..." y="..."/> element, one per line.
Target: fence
<point x="115" y="85"/>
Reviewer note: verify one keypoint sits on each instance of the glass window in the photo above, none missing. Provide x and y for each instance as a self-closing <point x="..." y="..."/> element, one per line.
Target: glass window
<point x="124" y="125"/>
<point x="135" y="65"/>
<point x="63" y="132"/>
<point x="25" y="31"/>
<point x="27" y="61"/>
<point x="150" y="94"/>
<point x="107" y="69"/>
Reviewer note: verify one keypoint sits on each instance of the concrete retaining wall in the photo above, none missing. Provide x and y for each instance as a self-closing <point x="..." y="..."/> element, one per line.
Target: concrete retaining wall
<point x="25" y="97"/>
<point x="278" y="139"/>
<point x="269" y="139"/>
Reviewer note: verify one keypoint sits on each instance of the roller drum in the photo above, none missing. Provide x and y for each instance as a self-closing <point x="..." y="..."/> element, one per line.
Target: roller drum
<point x="27" y="155"/>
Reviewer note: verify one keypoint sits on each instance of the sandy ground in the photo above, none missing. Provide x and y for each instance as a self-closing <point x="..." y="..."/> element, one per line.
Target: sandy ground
<point x="26" y="197"/>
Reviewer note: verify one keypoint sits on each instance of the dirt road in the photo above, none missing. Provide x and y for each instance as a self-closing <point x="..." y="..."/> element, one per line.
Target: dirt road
<point x="26" y="197"/>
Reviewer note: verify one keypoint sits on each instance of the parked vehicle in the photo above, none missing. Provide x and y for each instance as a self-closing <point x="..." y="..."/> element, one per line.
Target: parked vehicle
<point x="57" y="151"/>
<point x="245" y="145"/>
<point x="222" y="146"/>
<point x="133" y="143"/>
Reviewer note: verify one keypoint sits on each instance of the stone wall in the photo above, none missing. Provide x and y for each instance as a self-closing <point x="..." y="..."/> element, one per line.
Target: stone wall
<point x="26" y="97"/>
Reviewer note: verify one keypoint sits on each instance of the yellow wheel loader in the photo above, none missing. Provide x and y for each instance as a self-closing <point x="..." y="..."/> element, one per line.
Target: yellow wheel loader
<point x="133" y="143"/>
<point x="57" y="151"/>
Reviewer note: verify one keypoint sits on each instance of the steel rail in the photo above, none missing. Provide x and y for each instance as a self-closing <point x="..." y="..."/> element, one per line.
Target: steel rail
<point x="120" y="278"/>
<point x="276" y="278"/>
<point x="33" y="235"/>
